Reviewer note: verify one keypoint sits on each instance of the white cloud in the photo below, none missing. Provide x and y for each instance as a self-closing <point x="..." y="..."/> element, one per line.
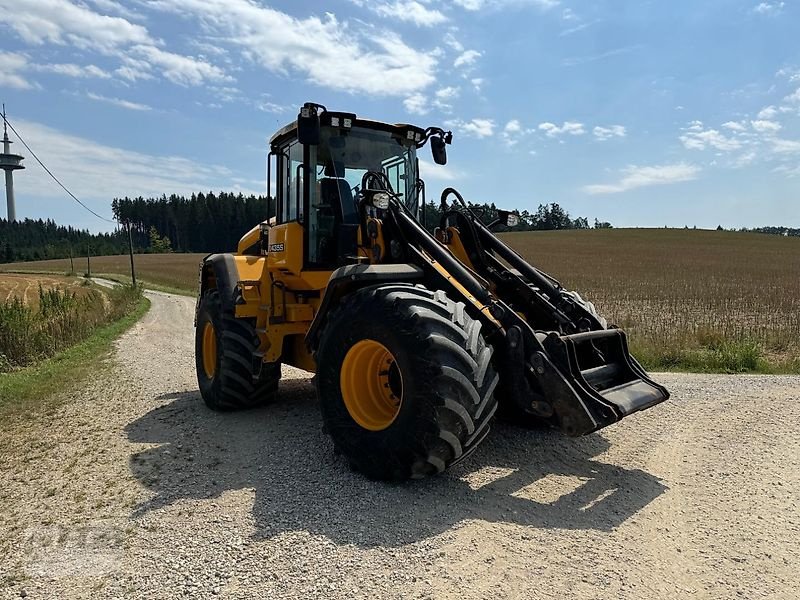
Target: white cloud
<point x="790" y="73"/>
<point x="63" y="23"/>
<point x="764" y="126"/>
<point x="405" y="10"/>
<point x="110" y="6"/>
<point x="96" y="173"/>
<point x="568" y="128"/>
<point x="271" y="107"/>
<point x="474" y="5"/>
<point x="10" y="65"/>
<point x="479" y="128"/>
<point x="416" y="104"/>
<point x="734" y="126"/>
<point x="768" y="112"/>
<point x="326" y="51"/>
<point x="183" y="70"/>
<point x="785" y="146"/>
<point x="794" y="97"/>
<point x="769" y="8"/>
<point x="580" y="60"/>
<point x="433" y="172"/>
<point x="513" y="132"/>
<point x="575" y="29"/>
<point x="118" y="102"/>
<point x="451" y="41"/>
<point x="477" y="83"/>
<point x="636" y="177"/>
<point x="606" y="133"/>
<point x="745" y="159"/>
<point x="73" y="70"/>
<point x="698" y="138"/>
<point x="788" y="170"/>
<point x="444" y="98"/>
<point x="467" y="58"/>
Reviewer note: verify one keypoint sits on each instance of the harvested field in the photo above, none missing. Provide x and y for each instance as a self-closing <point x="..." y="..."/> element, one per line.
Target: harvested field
<point x="689" y="299"/>
<point x="26" y="287"/>
<point x="677" y="291"/>
<point x="178" y="271"/>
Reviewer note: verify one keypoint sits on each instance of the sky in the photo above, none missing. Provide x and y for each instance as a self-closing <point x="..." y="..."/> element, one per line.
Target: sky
<point x="641" y="113"/>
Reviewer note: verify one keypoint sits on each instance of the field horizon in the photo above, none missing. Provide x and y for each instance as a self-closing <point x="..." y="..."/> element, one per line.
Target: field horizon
<point x="690" y="299"/>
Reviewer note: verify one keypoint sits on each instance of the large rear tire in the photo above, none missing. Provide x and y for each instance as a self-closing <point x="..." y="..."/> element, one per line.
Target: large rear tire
<point x="224" y="347"/>
<point x="405" y="381"/>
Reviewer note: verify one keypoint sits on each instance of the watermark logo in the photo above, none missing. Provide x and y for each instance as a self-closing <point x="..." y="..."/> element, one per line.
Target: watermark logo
<point x="88" y="549"/>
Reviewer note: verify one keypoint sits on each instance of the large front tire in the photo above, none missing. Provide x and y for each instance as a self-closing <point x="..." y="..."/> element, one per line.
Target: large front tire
<point x="224" y="347"/>
<point x="405" y="381"/>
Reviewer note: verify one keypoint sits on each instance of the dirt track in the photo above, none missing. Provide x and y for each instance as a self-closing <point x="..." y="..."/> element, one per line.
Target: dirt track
<point x="134" y="489"/>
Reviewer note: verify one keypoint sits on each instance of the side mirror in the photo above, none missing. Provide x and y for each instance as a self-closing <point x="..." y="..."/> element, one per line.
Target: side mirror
<point x="308" y="126"/>
<point x="438" y="150"/>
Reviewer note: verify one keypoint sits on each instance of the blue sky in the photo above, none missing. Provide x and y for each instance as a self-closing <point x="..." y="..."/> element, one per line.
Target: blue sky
<point x="639" y="113"/>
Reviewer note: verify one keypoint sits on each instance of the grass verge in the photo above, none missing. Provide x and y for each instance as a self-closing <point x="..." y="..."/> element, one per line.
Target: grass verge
<point x="34" y="385"/>
<point x="742" y="356"/>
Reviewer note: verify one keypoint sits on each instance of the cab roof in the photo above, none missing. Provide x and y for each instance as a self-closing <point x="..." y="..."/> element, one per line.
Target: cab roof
<point x="289" y="131"/>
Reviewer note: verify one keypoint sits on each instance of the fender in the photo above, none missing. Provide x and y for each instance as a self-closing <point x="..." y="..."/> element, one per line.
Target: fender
<point x="349" y="278"/>
<point x="218" y="271"/>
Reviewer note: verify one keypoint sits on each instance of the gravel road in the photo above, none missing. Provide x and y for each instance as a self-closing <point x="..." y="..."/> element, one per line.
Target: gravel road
<point x="132" y="488"/>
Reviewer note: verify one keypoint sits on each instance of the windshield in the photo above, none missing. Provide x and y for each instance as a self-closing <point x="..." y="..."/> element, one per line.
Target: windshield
<point x="346" y="154"/>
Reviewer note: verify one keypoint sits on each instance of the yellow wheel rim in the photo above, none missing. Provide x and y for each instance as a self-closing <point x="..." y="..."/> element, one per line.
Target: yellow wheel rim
<point x="371" y="384"/>
<point x="209" y="350"/>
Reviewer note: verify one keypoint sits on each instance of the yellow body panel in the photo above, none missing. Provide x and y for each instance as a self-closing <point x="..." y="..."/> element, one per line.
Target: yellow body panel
<point x="284" y="299"/>
<point x="456" y="247"/>
<point x="286" y="248"/>
<point x="248" y="239"/>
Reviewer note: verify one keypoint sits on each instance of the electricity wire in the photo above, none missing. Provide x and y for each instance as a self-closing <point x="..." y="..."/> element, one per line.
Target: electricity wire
<point x="49" y="172"/>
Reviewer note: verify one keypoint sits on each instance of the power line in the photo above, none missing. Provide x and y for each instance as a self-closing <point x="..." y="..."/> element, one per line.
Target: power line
<point x="49" y="172"/>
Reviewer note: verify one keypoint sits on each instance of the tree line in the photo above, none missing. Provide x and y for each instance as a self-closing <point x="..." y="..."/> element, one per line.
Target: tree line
<point x="43" y="239"/>
<point x="203" y="223"/>
<point x="215" y="222"/>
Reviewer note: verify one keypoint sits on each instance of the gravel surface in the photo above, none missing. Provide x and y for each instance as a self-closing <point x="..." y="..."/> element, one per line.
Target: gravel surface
<point x="132" y="488"/>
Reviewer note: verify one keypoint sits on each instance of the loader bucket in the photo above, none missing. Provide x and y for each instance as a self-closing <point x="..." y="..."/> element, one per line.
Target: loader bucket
<point x="593" y="380"/>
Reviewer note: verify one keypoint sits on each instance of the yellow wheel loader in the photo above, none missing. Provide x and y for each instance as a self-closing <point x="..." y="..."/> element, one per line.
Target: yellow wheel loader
<point x="416" y="339"/>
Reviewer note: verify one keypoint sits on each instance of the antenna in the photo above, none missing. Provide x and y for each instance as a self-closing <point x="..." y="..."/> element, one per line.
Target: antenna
<point x="9" y="163"/>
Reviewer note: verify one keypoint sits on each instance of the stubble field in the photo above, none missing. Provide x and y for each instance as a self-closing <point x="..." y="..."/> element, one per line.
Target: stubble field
<point x="26" y="287"/>
<point x="695" y="300"/>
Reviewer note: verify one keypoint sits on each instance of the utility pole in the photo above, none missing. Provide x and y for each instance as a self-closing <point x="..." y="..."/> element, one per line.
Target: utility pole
<point x="88" y="264"/>
<point x="71" y="264"/>
<point x="130" y="251"/>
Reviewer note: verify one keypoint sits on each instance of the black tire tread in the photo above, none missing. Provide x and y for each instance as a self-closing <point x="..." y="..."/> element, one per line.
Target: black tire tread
<point x="237" y="388"/>
<point x="460" y="387"/>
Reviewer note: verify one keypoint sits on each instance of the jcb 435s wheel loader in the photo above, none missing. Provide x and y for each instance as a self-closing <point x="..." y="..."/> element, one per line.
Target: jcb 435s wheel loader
<point x="416" y="339"/>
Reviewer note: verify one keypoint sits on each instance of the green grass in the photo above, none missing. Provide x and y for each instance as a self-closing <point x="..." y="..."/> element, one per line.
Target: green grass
<point x="33" y="386"/>
<point x="31" y="332"/>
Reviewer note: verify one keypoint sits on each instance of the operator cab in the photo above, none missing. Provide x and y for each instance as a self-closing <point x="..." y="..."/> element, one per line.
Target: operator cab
<point x="320" y="162"/>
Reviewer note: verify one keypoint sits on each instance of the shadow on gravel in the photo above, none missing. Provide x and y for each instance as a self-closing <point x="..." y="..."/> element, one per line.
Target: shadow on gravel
<point x="281" y="453"/>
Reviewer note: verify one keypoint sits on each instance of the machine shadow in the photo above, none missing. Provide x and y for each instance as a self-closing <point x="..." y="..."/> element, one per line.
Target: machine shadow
<point x="281" y="452"/>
